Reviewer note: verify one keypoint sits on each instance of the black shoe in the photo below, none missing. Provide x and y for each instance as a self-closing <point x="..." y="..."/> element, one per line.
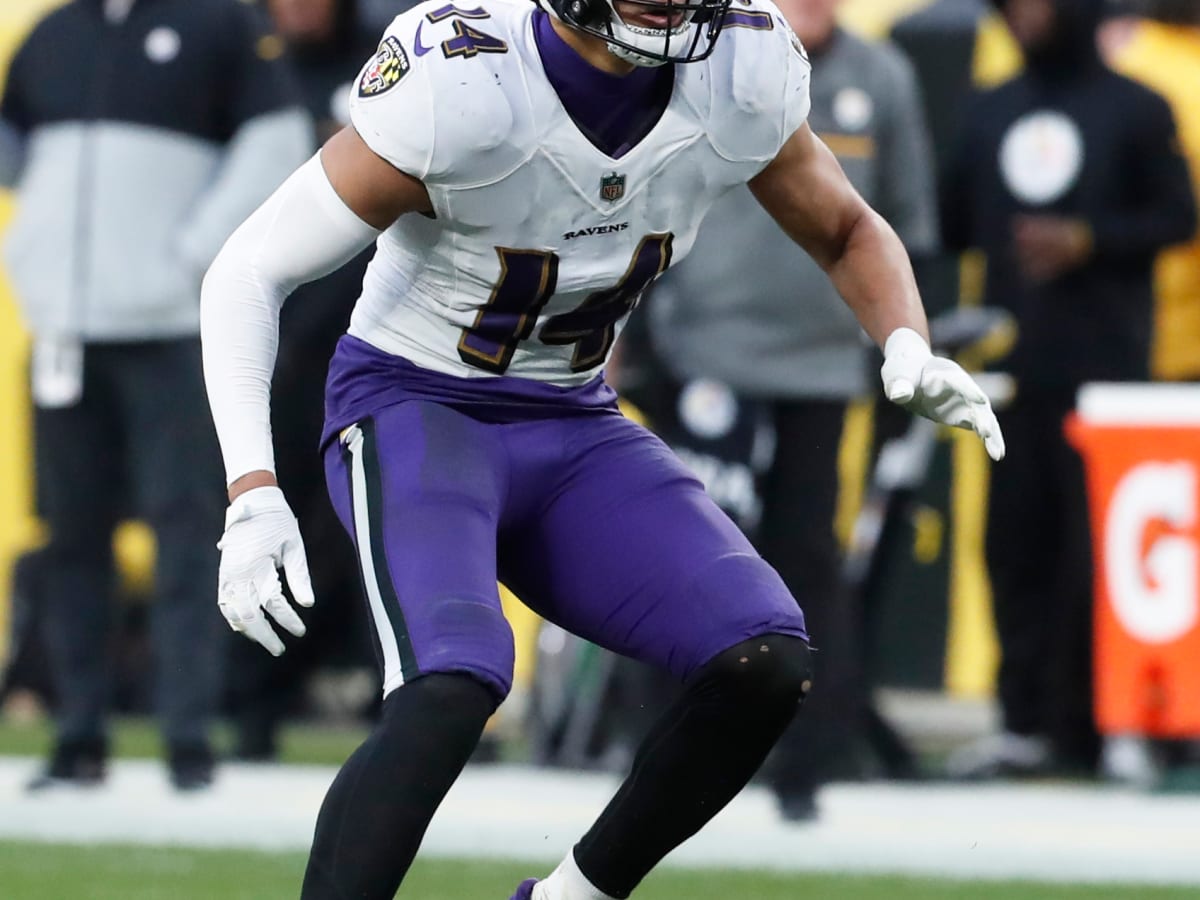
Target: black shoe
<point x="192" y="767"/>
<point x="799" y="806"/>
<point x="256" y="746"/>
<point x="1001" y="756"/>
<point x="73" y="763"/>
<point x="256" y="734"/>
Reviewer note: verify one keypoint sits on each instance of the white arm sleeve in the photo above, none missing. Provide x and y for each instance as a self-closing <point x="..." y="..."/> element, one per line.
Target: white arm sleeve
<point x="302" y="232"/>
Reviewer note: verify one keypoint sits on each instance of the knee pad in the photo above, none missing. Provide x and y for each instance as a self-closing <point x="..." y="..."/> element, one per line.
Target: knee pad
<point x="772" y="669"/>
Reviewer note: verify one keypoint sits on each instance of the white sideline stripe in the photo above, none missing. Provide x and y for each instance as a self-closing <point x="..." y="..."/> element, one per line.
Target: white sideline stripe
<point x="393" y="672"/>
<point x="1056" y="833"/>
<point x="1139" y="405"/>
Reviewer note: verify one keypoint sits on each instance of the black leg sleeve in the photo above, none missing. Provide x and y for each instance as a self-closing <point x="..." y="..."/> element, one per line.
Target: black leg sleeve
<point x="797" y="538"/>
<point x="696" y="759"/>
<point x="377" y="809"/>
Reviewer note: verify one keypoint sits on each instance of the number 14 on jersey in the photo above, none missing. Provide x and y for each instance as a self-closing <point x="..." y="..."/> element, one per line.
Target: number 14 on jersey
<point x="528" y="279"/>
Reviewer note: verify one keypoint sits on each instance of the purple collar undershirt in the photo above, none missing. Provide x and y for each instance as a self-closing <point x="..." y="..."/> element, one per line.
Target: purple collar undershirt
<point x="614" y="112"/>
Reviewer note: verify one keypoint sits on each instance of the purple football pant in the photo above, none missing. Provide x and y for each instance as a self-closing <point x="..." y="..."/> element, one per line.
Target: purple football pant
<point x="590" y="520"/>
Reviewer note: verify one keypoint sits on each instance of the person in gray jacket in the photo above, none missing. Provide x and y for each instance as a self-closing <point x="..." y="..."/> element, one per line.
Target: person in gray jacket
<point x="137" y="134"/>
<point x="747" y="310"/>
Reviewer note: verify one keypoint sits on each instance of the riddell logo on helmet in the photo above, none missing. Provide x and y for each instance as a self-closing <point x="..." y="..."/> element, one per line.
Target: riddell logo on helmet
<point x="597" y="229"/>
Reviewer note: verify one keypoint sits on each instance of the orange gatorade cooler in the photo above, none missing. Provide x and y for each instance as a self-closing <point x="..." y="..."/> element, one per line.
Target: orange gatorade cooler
<point x="1141" y="450"/>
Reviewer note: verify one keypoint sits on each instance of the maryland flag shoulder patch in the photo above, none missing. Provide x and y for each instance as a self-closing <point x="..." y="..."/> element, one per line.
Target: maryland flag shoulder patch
<point x="384" y="71"/>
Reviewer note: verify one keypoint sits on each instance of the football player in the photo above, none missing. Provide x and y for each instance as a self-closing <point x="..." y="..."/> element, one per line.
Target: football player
<point x="526" y="172"/>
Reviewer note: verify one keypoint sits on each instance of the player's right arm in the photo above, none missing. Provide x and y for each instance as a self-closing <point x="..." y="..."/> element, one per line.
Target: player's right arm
<point x="328" y="211"/>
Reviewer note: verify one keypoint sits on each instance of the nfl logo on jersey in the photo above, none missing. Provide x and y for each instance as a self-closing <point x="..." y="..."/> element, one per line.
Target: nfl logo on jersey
<point x="612" y="187"/>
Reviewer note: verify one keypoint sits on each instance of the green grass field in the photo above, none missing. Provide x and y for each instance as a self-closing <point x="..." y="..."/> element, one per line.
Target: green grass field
<point x="138" y="738"/>
<point x="56" y="872"/>
<point x="33" y="871"/>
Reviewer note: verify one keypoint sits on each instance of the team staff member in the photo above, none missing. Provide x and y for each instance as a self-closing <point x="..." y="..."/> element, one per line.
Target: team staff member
<point x="1069" y="178"/>
<point x="138" y="133"/>
<point x="783" y="336"/>
<point x="1163" y="53"/>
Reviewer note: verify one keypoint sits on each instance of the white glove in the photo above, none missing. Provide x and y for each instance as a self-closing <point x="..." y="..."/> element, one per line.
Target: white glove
<point x="261" y="536"/>
<point x="937" y="389"/>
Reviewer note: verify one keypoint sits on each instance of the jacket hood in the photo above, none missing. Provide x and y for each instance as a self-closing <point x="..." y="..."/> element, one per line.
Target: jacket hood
<point x="345" y="37"/>
<point x="1072" y="46"/>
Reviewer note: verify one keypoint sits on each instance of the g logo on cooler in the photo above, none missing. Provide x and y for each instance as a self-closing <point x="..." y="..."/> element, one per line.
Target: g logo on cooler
<point x="1151" y="556"/>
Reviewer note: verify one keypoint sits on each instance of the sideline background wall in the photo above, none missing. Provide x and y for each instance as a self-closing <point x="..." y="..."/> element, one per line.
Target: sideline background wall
<point x="18" y="528"/>
<point x="969" y="645"/>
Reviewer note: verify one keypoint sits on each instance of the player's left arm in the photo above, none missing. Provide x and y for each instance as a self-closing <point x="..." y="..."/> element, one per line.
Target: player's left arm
<point x="807" y="193"/>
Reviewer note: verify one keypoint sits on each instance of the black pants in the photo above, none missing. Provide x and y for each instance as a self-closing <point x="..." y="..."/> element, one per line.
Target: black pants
<point x="140" y="442"/>
<point x="1039" y="553"/>
<point x="796" y="536"/>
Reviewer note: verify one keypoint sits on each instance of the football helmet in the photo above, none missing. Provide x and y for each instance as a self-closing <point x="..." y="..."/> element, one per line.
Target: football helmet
<point x="689" y="32"/>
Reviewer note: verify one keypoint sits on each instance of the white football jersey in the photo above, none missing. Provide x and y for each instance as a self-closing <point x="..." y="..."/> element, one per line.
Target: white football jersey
<point x="542" y="244"/>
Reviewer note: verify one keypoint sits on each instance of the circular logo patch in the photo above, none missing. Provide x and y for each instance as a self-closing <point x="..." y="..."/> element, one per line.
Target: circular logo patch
<point x="708" y="409"/>
<point x="162" y="44"/>
<point x="853" y="109"/>
<point x="1041" y="157"/>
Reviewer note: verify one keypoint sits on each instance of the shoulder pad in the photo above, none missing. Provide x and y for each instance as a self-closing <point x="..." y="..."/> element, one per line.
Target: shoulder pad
<point x="758" y="78"/>
<point x="437" y="99"/>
